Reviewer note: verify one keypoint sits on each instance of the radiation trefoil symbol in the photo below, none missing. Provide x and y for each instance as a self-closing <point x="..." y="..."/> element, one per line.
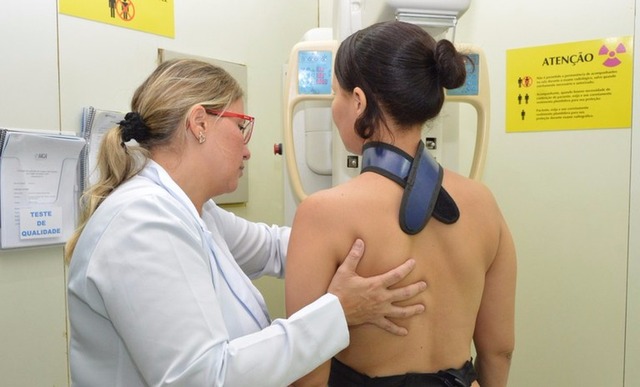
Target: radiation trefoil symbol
<point x="612" y="60"/>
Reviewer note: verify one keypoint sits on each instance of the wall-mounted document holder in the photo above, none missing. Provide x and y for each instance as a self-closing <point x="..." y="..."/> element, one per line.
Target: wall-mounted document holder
<point x="38" y="187"/>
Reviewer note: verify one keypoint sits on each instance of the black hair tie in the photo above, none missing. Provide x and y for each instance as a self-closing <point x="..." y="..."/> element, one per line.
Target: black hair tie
<point x="133" y="128"/>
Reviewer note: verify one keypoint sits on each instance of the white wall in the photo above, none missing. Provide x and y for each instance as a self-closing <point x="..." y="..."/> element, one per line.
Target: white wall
<point x="632" y="353"/>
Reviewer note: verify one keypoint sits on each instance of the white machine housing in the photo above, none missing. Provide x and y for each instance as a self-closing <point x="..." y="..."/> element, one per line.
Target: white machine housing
<point x="350" y="16"/>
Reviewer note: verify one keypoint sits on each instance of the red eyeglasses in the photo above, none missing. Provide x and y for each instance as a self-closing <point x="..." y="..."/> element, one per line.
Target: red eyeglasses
<point x="245" y="125"/>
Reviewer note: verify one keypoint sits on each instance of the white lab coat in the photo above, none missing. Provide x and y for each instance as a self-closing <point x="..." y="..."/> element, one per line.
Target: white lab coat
<point x="157" y="299"/>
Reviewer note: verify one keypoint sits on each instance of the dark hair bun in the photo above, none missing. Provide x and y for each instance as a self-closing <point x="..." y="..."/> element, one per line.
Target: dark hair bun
<point x="450" y="65"/>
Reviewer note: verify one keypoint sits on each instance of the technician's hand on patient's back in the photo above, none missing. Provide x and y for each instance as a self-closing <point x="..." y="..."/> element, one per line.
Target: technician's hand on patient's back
<point x="369" y="300"/>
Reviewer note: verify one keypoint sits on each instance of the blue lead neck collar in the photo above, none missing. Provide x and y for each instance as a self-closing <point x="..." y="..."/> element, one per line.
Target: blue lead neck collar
<point x="421" y="178"/>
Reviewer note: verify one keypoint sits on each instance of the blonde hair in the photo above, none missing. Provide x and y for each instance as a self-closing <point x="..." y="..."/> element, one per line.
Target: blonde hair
<point x="163" y="102"/>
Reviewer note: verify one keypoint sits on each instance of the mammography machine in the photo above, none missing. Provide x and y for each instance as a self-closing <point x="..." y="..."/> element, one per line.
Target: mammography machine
<point x="314" y="154"/>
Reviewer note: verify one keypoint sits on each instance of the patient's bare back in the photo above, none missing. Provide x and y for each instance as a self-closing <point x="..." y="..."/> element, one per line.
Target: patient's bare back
<point x="452" y="259"/>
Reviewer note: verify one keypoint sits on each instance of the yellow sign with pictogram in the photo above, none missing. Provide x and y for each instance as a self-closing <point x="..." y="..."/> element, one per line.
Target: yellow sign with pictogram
<point x="571" y="86"/>
<point x="153" y="16"/>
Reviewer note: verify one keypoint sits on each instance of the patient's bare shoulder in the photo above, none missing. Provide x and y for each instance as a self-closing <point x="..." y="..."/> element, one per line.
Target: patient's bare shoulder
<point x="468" y="192"/>
<point x="330" y="210"/>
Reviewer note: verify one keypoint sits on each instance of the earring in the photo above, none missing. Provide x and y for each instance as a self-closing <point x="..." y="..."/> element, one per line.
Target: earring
<point x="201" y="138"/>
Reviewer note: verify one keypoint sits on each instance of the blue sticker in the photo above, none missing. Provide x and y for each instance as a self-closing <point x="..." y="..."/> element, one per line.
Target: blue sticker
<point x="470" y="86"/>
<point x="314" y="72"/>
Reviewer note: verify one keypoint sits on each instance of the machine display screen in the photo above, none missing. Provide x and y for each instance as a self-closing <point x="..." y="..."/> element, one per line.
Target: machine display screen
<point x="314" y="72"/>
<point x="470" y="86"/>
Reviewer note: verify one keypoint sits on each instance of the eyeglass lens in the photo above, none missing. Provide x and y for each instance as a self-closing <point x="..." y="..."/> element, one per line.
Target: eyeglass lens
<point x="247" y="129"/>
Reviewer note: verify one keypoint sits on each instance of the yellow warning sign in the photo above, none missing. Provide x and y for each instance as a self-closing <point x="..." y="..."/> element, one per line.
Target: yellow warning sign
<point x="583" y="85"/>
<point x="153" y="16"/>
